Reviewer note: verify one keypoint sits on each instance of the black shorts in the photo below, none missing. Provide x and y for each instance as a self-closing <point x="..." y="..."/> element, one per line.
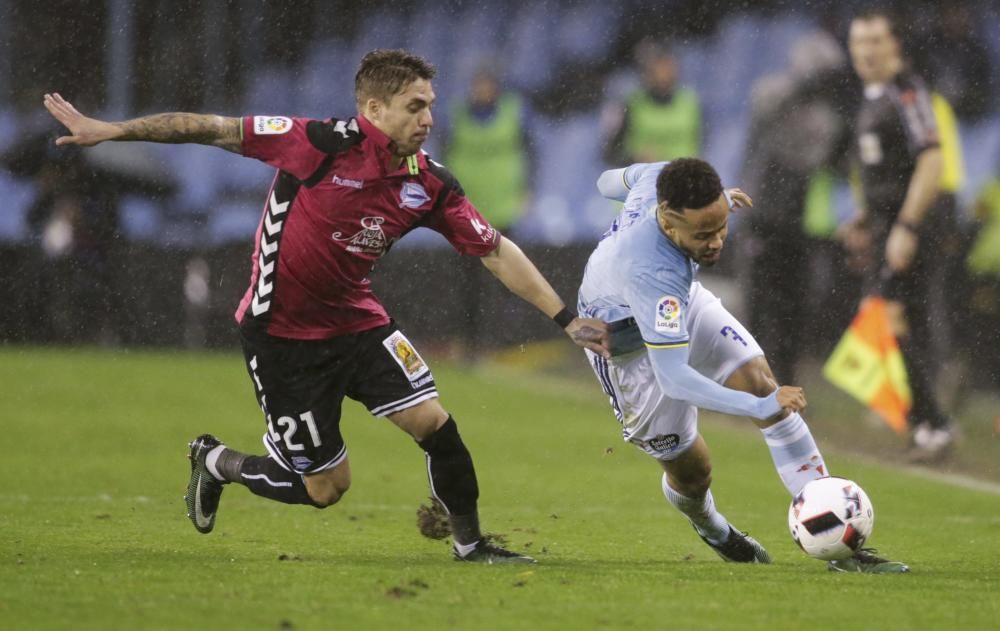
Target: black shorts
<point x="301" y="385"/>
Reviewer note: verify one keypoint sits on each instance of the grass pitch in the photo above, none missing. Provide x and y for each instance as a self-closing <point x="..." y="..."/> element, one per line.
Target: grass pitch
<point x="93" y="533"/>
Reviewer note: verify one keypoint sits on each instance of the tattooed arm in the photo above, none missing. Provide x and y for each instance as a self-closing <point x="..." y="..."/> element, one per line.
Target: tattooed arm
<point x="202" y="129"/>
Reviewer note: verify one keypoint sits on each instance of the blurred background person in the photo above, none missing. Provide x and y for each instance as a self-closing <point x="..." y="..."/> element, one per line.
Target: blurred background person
<point x="982" y="308"/>
<point x="954" y="59"/>
<point x="661" y="120"/>
<point x="488" y="146"/>
<point x="897" y="226"/>
<point x="73" y="228"/>
<point x="799" y="132"/>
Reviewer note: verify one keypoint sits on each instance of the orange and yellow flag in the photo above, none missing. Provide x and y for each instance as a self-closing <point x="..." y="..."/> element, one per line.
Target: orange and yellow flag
<point x="868" y="365"/>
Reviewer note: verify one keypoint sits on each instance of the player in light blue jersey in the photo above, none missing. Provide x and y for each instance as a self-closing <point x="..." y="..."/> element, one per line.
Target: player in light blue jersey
<point x="675" y="348"/>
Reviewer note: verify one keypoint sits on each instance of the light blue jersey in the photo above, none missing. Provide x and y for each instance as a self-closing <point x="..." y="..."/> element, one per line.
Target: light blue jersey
<point x="639" y="282"/>
<point x="636" y="271"/>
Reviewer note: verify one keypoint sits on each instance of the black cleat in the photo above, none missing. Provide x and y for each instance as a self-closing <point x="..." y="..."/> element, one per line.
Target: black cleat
<point x="492" y="555"/>
<point x="203" y="491"/>
<point x="739" y="548"/>
<point x="865" y="560"/>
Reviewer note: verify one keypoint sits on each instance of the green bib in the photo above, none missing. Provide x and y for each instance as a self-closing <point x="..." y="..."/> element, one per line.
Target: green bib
<point x="984" y="258"/>
<point x="663" y="131"/>
<point x="488" y="160"/>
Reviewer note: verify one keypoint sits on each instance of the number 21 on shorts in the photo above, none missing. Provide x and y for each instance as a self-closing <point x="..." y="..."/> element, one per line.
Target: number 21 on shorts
<point x="291" y="426"/>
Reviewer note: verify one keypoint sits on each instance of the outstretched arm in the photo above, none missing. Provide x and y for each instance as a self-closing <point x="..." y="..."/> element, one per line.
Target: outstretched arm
<point x="176" y="127"/>
<point x="509" y="264"/>
<point x="681" y="382"/>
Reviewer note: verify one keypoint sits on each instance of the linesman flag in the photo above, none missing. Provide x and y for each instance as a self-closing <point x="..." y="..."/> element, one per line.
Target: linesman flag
<point x="868" y="365"/>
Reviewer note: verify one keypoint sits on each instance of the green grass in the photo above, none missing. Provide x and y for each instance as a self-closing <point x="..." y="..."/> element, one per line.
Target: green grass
<point x="93" y="533"/>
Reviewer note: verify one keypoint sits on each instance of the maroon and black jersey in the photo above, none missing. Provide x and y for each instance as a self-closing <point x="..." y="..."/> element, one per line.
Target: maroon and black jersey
<point x="895" y="124"/>
<point x="336" y="205"/>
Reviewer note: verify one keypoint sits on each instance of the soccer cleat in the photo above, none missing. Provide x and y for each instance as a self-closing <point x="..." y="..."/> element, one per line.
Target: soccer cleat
<point x="739" y="548"/>
<point x="934" y="441"/>
<point x="865" y="560"/>
<point x="203" y="491"/>
<point x="492" y="555"/>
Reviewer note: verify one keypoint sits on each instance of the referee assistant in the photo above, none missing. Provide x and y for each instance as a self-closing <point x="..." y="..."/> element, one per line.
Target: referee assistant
<point x="899" y="159"/>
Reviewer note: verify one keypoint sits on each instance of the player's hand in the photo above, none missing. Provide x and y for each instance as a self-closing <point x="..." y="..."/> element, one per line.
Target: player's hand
<point x="591" y="334"/>
<point x="792" y="398"/>
<point x="85" y="131"/>
<point x="740" y="199"/>
<point x="900" y="248"/>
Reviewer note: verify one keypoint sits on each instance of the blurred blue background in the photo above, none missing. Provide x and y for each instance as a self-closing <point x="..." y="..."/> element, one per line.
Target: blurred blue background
<point x="118" y="59"/>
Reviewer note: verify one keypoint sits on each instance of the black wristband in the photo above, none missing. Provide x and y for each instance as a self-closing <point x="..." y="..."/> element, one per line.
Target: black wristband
<point x="564" y="317"/>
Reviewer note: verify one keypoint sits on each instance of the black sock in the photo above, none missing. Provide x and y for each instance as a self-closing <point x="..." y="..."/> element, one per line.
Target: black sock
<point x="265" y="477"/>
<point x="453" y="480"/>
<point x="465" y="528"/>
<point x="229" y="464"/>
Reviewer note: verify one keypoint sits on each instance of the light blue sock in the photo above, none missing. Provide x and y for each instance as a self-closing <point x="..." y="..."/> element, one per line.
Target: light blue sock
<point x="701" y="511"/>
<point x="794" y="452"/>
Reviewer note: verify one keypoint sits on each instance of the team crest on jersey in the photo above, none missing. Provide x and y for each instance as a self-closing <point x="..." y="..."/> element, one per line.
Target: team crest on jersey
<point x="668" y="315"/>
<point x="413" y="195"/>
<point x="271" y="125"/>
<point x="406" y="356"/>
<point x="370" y="239"/>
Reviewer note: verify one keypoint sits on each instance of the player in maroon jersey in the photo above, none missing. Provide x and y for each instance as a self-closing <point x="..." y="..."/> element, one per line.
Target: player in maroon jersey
<point x="311" y="329"/>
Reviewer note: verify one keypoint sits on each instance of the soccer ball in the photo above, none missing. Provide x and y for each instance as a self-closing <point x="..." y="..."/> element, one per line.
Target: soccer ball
<point x="831" y="518"/>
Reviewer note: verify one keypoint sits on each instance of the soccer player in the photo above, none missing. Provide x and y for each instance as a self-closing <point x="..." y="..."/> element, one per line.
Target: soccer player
<point x="311" y="329"/>
<point x="674" y="347"/>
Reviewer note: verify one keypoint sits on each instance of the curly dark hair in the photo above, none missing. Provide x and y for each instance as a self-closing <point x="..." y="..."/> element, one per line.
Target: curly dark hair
<point x="688" y="183"/>
<point x="384" y="73"/>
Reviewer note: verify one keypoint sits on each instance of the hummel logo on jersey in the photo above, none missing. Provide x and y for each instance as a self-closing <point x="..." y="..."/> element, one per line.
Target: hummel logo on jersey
<point x="269" y="232"/>
<point x="370" y="239"/>
<point x="343" y="181"/>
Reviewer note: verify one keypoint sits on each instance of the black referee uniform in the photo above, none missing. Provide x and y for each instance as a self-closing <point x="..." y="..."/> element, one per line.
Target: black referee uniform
<point x="895" y="125"/>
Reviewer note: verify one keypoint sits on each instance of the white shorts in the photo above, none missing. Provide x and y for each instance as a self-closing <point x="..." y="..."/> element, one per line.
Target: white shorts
<point x="662" y="427"/>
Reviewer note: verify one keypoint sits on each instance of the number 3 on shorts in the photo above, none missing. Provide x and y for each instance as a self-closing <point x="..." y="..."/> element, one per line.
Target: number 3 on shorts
<point x="290" y="425"/>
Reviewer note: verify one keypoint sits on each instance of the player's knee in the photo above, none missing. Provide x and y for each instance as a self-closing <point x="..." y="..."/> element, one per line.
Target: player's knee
<point x="327" y="494"/>
<point x="326" y="488"/>
<point x="693" y="482"/>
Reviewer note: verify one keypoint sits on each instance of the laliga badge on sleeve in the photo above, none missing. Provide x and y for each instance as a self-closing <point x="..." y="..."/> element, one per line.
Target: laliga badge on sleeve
<point x="271" y="125"/>
<point x="669" y="315"/>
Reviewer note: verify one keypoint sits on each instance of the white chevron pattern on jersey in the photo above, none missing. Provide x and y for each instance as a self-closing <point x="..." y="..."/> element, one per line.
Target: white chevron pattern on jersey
<point x="267" y="258"/>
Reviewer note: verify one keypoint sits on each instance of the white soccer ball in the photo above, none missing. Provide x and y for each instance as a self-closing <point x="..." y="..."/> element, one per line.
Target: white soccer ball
<point x="831" y="518"/>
